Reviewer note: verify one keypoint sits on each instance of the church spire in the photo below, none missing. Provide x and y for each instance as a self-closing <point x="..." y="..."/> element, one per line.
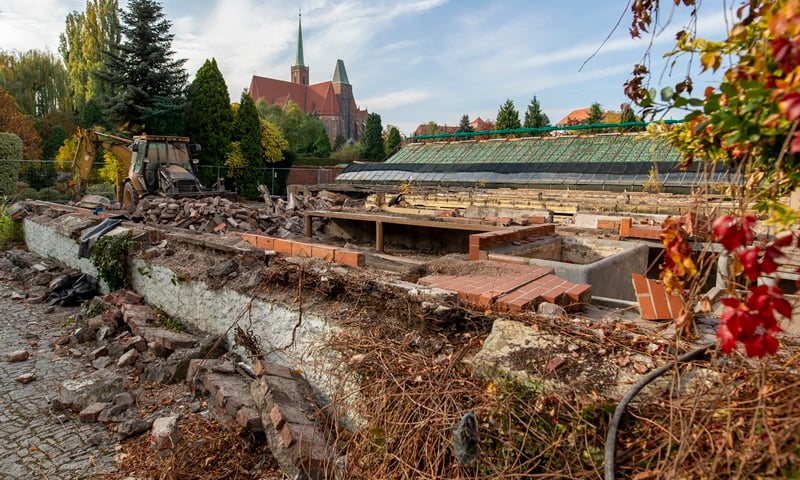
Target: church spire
<point x="298" y="62"/>
<point x="299" y="69"/>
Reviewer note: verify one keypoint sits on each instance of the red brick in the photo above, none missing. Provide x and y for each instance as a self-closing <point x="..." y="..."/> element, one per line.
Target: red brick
<point x="283" y="246"/>
<point x="300" y="249"/>
<point x="276" y="417"/>
<point x="325" y="253"/>
<point x="580" y="294"/>
<point x="220" y="227"/>
<point x="536" y="219"/>
<point x="605" y="224"/>
<point x="646" y="309"/>
<point x="250" y="238"/>
<point x="474" y="253"/>
<point x="625" y="227"/>
<point x="660" y="302"/>
<point x="675" y="305"/>
<point x="267" y="243"/>
<point x="348" y="257"/>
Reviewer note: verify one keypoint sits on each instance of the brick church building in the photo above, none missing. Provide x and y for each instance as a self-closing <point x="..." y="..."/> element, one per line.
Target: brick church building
<point x="332" y="101"/>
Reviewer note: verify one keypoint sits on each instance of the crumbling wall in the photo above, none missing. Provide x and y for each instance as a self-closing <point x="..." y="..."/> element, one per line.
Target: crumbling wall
<point x="288" y="336"/>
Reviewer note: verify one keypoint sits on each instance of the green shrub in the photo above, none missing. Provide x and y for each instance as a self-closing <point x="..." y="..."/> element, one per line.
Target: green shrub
<point x="50" y="195"/>
<point x="28" y="194"/>
<point x="10" y="156"/>
<point x="110" y="257"/>
<point x="10" y="230"/>
<point x="104" y="189"/>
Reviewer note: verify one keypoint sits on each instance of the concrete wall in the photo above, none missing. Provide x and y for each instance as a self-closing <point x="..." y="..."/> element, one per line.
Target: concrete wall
<point x="609" y="277"/>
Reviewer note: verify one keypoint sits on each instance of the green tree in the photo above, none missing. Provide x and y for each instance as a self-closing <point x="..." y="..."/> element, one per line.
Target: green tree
<point x="321" y="146"/>
<point x="209" y="119"/>
<point x="596" y="114"/>
<point x="464" y="125"/>
<point x="14" y="121"/>
<point x="432" y="128"/>
<point x="339" y="142"/>
<point x="392" y="141"/>
<point x="247" y="133"/>
<point x="37" y="80"/>
<point x="86" y="37"/>
<point x="535" y="117"/>
<point x="10" y="154"/>
<point x="272" y="142"/>
<point x="507" y="117"/>
<point x="148" y="83"/>
<point x="305" y="132"/>
<point x="372" y="148"/>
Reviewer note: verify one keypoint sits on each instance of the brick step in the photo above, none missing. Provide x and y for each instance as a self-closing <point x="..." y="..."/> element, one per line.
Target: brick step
<point x="513" y="288"/>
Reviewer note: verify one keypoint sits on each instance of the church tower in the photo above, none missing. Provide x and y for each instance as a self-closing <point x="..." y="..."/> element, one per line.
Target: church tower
<point x="344" y="94"/>
<point x="299" y="70"/>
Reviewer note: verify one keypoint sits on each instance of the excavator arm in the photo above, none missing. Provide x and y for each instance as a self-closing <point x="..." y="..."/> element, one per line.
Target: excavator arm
<point x="89" y="141"/>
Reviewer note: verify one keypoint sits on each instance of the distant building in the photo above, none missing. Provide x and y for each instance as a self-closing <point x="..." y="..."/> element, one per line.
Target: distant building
<point x="478" y="125"/>
<point x="332" y="101"/>
<point x="575" y="117"/>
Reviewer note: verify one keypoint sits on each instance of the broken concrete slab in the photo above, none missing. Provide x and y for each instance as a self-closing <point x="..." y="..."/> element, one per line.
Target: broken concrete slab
<point x="170" y="339"/>
<point x="99" y="386"/>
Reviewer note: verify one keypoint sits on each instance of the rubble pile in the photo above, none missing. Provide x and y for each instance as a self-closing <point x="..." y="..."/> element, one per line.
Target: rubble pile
<point x="216" y="214"/>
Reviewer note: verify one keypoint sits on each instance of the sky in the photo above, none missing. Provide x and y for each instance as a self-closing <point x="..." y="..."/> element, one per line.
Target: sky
<point x="411" y="61"/>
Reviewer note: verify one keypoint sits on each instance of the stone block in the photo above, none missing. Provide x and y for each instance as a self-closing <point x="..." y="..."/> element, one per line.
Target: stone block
<point x="92" y="412"/>
<point x="17" y="356"/>
<point x="164" y="434"/>
<point x="98" y="386"/>
<point x="128" y="358"/>
<point x="248" y="417"/>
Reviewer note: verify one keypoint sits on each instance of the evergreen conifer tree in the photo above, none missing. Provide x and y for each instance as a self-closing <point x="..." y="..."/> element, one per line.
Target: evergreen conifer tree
<point x="464" y="125"/>
<point x="209" y="119"/>
<point x="247" y="131"/>
<point x="147" y="82"/>
<point x="393" y="141"/>
<point x="507" y="117"/>
<point x="372" y="147"/>
<point x="535" y="117"/>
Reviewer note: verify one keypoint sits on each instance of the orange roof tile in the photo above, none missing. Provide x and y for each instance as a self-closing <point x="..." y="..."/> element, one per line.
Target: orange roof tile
<point x="574" y="117"/>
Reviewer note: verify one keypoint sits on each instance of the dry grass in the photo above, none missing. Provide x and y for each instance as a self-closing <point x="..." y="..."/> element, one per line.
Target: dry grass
<point x="740" y="421"/>
<point x="206" y="451"/>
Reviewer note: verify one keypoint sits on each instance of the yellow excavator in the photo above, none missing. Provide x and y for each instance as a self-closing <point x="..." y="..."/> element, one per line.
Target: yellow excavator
<point x="149" y="165"/>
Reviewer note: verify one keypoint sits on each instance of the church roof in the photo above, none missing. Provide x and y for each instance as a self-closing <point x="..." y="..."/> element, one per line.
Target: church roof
<point x="319" y="98"/>
<point x="340" y="74"/>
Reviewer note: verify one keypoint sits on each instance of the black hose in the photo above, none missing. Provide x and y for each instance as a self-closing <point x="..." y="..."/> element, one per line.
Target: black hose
<point x="611" y="438"/>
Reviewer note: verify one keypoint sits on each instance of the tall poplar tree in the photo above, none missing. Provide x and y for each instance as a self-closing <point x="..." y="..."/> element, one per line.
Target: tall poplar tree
<point x="148" y="83"/>
<point x="209" y="119"/>
<point x="87" y="36"/>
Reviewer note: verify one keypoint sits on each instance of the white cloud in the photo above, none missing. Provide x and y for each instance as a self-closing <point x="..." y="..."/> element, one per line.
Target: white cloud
<point x="395" y="99"/>
<point x="26" y="25"/>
